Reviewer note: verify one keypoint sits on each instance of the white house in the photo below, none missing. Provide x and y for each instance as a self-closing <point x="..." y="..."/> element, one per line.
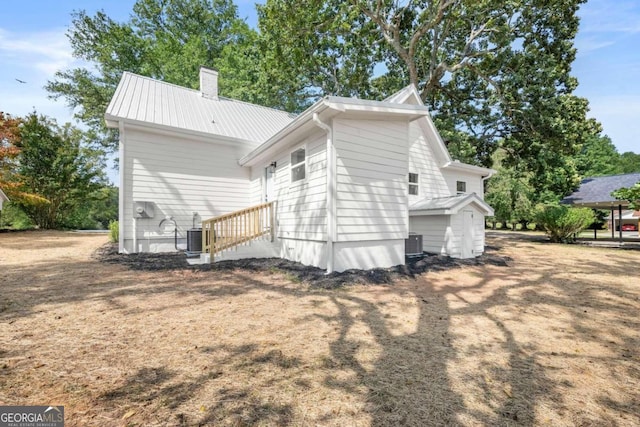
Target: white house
<point x="340" y="186"/>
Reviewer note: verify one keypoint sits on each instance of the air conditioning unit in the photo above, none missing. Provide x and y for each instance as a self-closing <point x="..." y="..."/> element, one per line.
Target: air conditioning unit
<point x="194" y="240"/>
<point x="143" y="209"/>
<point x="413" y="245"/>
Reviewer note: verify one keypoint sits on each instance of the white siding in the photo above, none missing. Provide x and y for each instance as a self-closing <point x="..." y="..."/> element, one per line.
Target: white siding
<point x="474" y="181"/>
<point x="371" y="182"/>
<point x="435" y="230"/>
<point x="180" y="176"/>
<point x="443" y="234"/>
<point x="366" y="255"/>
<point x="256" y="191"/>
<point x="301" y="211"/>
<point x="423" y="161"/>
<point x="306" y="252"/>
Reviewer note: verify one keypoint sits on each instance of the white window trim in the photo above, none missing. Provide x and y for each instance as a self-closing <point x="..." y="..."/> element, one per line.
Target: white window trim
<point x="414" y="184"/>
<point x="291" y="165"/>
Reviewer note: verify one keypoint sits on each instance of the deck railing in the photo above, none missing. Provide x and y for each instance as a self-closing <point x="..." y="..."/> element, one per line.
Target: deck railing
<point x="236" y="228"/>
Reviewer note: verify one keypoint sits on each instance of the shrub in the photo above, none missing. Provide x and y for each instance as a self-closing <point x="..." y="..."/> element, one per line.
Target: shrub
<point x="562" y="223"/>
<point x="14" y="218"/>
<point x="114" y="231"/>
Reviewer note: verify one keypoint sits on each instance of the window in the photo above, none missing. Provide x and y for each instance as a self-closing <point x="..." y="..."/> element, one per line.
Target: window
<point x="413" y="184"/>
<point x="461" y="187"/>
<point x="298" y="161"/>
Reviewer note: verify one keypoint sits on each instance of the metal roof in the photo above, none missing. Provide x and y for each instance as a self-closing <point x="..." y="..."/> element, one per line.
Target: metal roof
<point x="149" y="101"/>
<point x="448" y="205"/>
<point x="332" y="105"/>
<point x="596" y="192"/>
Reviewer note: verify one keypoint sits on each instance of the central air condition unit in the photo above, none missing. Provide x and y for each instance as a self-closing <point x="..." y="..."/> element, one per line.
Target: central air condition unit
<point x="194" y="240"/>
<point x="413" y="245"/>
<point x="143" y="210"/>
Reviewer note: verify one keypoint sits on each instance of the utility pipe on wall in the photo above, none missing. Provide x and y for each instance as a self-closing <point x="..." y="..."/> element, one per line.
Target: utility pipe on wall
<point x="331" y="191"/>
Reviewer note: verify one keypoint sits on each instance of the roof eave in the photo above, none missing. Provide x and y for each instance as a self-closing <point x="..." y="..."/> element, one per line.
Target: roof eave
<point x="336" y="105"/>
<point x="597" y="205"/>
<point x="112" y="121"/>
<point x="463" y="202"/>
<point x="115" y="121"/>
<point x="469" y="168"/>
<point x="252" y="158"/>
<point x="423" y="212"/>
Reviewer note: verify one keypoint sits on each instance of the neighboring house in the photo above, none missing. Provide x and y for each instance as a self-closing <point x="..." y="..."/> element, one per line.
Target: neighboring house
<point x="595" y="192"/>
<point x="3" y="198"/>
<point x="350" y="178"/>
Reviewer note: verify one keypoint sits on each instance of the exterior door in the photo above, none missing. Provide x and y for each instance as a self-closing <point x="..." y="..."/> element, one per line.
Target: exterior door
<point x="269" y="190"/>
<point x="467" y="235"/>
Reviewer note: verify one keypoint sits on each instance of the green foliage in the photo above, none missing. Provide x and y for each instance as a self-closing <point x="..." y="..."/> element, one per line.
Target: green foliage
<point x="12" y="217"/>
<point x="562" y="223"/>
<point x="164" y="40"/>
<point x="629" y="162"/>
<point x="98" y="210"/>
<point x="56" y="164"/>
<point x="631" y="194"/>
<point x="493" y="73"/>
<point x="313" y="48"/>
<point x="598" y="157"/>
<point x="114" y="231"/>
<point x="510" y="195"/>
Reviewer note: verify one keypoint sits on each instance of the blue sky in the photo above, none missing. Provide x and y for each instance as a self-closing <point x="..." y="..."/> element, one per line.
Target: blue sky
<point x="33" y="46"/>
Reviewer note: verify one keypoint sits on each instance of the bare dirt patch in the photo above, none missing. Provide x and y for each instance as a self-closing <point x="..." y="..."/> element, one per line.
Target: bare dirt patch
<point x="550" y="339"/>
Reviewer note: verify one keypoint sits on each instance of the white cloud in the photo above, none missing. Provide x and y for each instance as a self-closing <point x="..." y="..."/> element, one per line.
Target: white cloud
<point x="46" y="51"/>
<point x="589" y="44"/>
<point x="604" y="23"/>
<point x="605" y="16"/>
<point x="33" y="57"/>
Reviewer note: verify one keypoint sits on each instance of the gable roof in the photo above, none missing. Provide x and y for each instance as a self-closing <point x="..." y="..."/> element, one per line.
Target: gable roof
<point x="596" y="192"/>
<point x="144" y="100"/>
<point x="325" y="108"/>
<point x="410" y="95"/>
<point x="449" y="205"/>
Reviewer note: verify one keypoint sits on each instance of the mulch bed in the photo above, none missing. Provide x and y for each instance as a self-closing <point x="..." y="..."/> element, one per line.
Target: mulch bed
<point x="314" y="276"/>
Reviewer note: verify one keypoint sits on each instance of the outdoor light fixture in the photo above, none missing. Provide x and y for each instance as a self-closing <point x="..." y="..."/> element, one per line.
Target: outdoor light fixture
<point x="272" y="167"/>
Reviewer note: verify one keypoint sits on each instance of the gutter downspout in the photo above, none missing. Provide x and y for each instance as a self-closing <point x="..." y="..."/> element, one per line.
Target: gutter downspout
<point x="484" y="180"/>
<point x="331" y="191"/>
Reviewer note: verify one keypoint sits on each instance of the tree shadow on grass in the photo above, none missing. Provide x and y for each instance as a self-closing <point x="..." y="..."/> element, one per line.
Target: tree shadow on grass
<point x="399" y="376"/>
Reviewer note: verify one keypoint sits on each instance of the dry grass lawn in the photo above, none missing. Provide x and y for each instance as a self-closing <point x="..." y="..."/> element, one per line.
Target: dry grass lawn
<point x="552" y="339"/>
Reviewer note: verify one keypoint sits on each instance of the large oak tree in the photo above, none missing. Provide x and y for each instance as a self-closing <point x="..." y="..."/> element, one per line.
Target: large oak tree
<point x="494" y="73"/>
<point x="164" y="40"/>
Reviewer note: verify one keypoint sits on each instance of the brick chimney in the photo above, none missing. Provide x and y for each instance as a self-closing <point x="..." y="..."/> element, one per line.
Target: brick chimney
<point x="209" y="83"/>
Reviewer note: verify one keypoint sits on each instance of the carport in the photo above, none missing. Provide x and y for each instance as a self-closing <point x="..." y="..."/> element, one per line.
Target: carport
<point x="596" y="192"/>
